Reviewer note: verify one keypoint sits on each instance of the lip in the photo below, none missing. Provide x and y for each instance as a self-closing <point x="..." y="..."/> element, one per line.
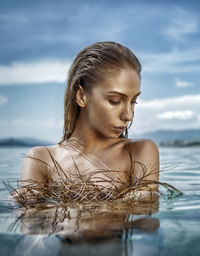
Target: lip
<point x="119" y="129"/>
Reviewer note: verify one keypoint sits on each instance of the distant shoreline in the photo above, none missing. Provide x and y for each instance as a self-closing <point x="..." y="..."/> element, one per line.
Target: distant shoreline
<point x="180" y="143"/>
<point x="31" y="142"/>
<point x="23" y="142"/>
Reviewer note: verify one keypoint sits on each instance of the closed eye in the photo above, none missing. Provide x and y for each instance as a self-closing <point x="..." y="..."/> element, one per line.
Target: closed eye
<point x="113" y="102"/>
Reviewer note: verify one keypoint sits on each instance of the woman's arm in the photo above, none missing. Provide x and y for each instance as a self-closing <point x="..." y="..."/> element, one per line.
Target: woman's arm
<point x="145" y="156"/>
<point x="35" y="165"/>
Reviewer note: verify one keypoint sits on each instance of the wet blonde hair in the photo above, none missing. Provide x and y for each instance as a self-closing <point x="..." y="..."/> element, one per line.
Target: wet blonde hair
<point x="90" y="67"/>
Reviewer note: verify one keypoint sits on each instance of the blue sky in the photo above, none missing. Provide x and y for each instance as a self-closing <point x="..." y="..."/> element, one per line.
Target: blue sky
<point x="39" y="40"/>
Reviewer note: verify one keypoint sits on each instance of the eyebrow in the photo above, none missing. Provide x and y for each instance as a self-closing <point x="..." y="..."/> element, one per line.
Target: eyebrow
<point x="123" y="94"/>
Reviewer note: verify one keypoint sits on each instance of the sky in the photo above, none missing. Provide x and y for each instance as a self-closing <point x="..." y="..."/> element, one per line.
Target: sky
<point x="40" y="38"/>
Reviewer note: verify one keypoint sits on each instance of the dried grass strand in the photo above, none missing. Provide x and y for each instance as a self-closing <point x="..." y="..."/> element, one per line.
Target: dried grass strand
<point x="78" y="187"/>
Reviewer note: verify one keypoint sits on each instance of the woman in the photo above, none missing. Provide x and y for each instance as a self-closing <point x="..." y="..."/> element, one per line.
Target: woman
<point x="102" y="90"/>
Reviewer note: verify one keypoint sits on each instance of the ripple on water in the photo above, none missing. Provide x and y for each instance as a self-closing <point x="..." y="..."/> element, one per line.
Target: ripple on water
<point x="179" y="216"/>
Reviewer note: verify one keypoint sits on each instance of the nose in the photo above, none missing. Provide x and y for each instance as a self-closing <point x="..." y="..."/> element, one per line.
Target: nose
<point x="127" y="113"/>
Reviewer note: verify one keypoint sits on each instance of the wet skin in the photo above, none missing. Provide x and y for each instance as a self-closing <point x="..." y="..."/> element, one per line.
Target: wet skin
<point x="108" y="109"/>
<point x="95" y="143"/>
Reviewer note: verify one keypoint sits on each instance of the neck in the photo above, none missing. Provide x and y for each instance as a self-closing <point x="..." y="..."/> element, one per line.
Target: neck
<point x="91" y="141"/>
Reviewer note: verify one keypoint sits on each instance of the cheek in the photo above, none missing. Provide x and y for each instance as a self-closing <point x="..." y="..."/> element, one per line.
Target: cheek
<point x="101" y="113"/>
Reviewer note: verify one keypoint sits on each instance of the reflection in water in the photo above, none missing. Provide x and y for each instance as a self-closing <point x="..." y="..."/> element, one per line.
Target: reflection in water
<point x="179" y="217"/>
<point x="86" y="226"/>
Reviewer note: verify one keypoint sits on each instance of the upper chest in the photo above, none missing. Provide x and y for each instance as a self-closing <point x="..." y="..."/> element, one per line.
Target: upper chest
<point x="111" y="164"/>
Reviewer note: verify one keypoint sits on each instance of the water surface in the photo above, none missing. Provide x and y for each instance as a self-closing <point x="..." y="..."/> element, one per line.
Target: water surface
<point x="169" y="226"/>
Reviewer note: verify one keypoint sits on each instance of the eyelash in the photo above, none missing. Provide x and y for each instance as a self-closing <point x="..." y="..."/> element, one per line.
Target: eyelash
<point x="117" y="102"/>
<point x="114" y="102"/>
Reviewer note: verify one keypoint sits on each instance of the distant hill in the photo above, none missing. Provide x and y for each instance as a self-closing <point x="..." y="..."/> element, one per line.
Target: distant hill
<point x="161" y="137"/>
<point x="181" y="143"/>
<point x="23" y="142"/>
<point x="164" y="136"/>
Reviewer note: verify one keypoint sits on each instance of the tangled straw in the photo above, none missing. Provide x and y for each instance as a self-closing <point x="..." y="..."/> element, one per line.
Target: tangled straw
<point x="72" y="188"/>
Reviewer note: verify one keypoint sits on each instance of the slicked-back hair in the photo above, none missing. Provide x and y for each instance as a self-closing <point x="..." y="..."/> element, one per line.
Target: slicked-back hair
<point x="90" y="67"/>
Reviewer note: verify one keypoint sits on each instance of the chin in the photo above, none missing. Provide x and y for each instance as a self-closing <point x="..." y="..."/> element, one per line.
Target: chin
<point x="109" y="135"/>
<point x="114" y="136"/>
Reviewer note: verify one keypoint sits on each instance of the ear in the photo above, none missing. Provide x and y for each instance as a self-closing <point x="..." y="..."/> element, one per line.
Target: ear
<point x="81" y="98"/>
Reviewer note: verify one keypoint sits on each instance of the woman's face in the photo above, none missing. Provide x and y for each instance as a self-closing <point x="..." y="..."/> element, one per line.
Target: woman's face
<point x="110" y="104"/>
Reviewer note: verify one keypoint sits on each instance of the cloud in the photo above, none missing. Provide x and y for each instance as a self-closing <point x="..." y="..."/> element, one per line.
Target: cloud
<point x="172" y="62"/>
<point x="182" y="25"/>
<point x="169" y="113"/>
<point x="47" y="129"/>
<point x="3" y="99"/>
<point x="61" y="32"/>
<point x="46" y="124"/>
<point x="181" y="28"/>
<point x="183" y="84"/>
<point x="178" y="115"/>
<point x="44" y="71"/>
<point x="34" y="72"/>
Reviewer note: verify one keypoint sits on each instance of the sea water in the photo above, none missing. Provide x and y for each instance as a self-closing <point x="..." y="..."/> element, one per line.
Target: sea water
<point x="178" y="232"/>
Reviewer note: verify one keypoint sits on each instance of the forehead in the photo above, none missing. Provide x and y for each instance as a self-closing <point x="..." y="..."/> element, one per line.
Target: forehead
<point x="125" y="81"/>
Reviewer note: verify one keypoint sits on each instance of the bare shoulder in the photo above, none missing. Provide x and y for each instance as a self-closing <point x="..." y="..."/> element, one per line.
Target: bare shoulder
<point x="145" y="154"/>
<point x="37" y="163"/>
<point x="144" y="149"/>
<point x="41" y="152"/>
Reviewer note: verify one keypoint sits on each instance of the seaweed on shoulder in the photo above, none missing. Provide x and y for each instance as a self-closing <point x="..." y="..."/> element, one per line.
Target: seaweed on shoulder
<point x="74" y="187"/>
